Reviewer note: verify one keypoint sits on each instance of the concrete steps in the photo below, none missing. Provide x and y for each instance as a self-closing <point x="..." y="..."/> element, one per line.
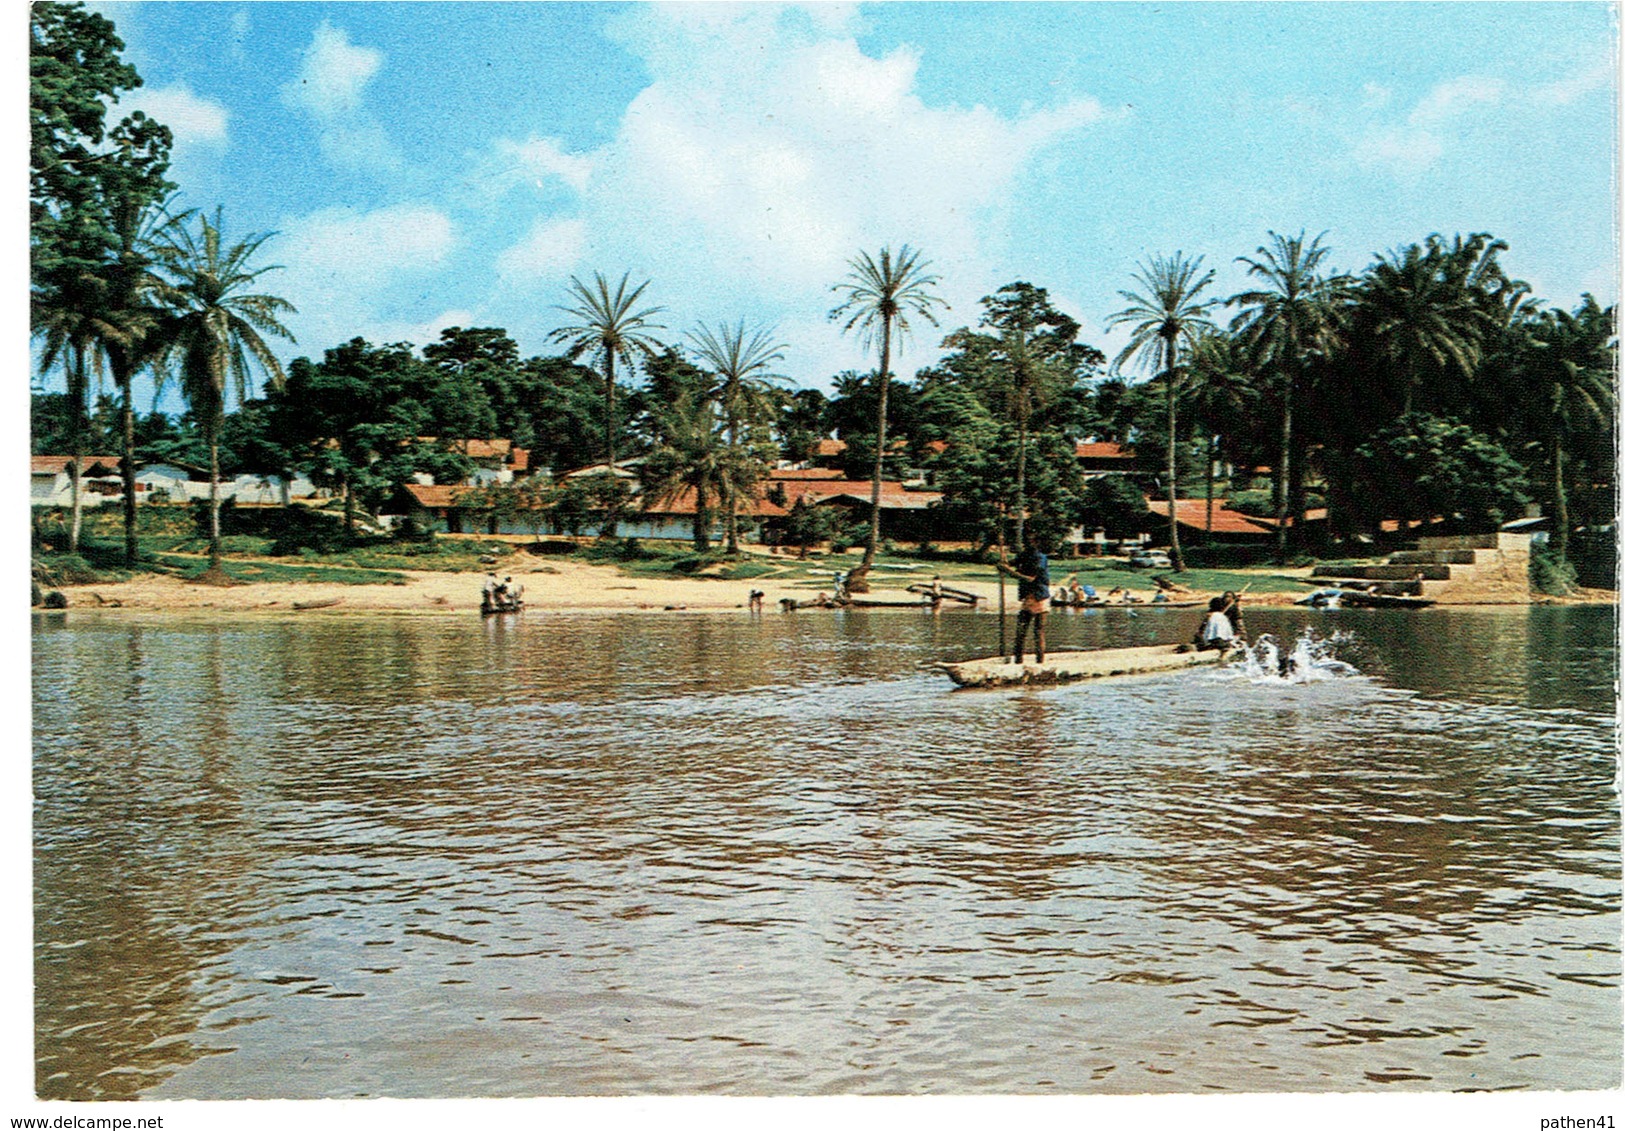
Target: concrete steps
<point x="1463" y="569"/>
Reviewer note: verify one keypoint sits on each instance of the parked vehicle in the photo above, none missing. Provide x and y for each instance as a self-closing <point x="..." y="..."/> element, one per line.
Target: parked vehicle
<point x="1149" y="559"/>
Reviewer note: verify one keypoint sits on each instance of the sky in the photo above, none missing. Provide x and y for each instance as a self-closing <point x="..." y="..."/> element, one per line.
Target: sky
<point x="440" y="164"/>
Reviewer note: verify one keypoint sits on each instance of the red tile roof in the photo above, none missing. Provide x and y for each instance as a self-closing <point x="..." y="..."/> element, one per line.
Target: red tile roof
<point x="521" y="459"/>
<point x="1193" y="513"/>
<point x="892" y="493"/>
<point x="1104" y="449"/>
<point x="52" y="465"/>
<point x="436" y="494"/>
<point x="683" y="504"/>
<point x="786" y="473"/>
<point x="828" y="447"/>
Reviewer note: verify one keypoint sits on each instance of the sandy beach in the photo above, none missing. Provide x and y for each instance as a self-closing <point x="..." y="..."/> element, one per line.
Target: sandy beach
<point x="556" y="586"/>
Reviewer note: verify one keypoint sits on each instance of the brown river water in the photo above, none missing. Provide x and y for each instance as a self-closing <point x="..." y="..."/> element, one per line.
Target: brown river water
<point x="714" y="853"/>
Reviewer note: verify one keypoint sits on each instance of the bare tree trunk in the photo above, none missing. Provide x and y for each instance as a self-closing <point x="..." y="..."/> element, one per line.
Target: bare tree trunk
<point x="1174" y="553"/>
<point x="216" y="421"/>
<point x="702" y="520"/>
<point x="1560" y="502"/>
<point x="1283" y="474"/>
<point x="1212" y="453"/>
<point x="861" y="575"/>
<point x="610" y="515"/>
<point x="729" y="483"/>
<point x="127" y="469"/>
<point x="76" y="442"/>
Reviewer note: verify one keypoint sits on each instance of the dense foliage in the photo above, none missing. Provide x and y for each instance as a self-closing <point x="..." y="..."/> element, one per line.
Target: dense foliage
<point x="1431" y="385"/>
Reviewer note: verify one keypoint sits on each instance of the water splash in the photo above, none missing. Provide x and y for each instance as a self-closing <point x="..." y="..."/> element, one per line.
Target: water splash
<point x="1309" y="659"/>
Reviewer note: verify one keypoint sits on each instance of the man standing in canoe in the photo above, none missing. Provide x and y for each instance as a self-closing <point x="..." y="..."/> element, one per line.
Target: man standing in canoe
<point x="1032" y="572"/>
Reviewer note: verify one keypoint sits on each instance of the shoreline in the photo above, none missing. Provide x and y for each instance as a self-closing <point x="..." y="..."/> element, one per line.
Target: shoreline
<point x="557" y="587"/>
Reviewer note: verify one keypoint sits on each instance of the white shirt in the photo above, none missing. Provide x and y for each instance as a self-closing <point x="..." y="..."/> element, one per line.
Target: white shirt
<point x="1217" y="627"/>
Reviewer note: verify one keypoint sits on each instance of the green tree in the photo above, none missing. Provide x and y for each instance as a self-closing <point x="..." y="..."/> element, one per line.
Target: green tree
<point x="1427" y="466"/>
<point x="879" y="296"/>
<point x="360" y="421"/>
<point x="609" y="326"/>
<point x="1115" y="505"/>
<point x="89" y="192"/>
<point x="212" y="332"/>
<point x="1165" y="316"/>
<point x="743" y="361"/>
<point x="690" y="455"/>
<point x="1570" y="371"/>
<point x="1223" y="399"/>
<point x="1292" y="317"/>
<point x="1028" y="359"/>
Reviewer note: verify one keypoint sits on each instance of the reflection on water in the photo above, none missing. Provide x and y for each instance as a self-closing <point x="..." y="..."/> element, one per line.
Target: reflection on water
<point x="587" y="855"/>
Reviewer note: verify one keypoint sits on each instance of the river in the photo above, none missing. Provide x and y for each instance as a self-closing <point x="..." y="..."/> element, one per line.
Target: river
<point x="716" y="853"/>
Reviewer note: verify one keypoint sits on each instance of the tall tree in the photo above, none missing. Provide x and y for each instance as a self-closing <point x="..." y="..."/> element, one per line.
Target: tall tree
<point x="1025" y="359"/>
<point x="1222" y="394"/>
<point x="742" y="360"/>
<point x="1165" y="316"/>
<point x="1571" y="372"/>
<point x="1289" y="319"/>
<point x="89" y="192"/>
<point x="879" y="296"/>
<point x="689" y="456"/>
<point x="212" y="333"/>
<point x="610" y="325"/>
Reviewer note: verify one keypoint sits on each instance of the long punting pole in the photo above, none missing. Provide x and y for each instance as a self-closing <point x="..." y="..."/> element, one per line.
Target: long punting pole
<point x="1002" y="651"/>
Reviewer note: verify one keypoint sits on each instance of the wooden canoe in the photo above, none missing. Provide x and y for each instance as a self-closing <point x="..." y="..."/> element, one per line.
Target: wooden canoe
<point x="947" y="594"/>
<point x="1060" y="667"/>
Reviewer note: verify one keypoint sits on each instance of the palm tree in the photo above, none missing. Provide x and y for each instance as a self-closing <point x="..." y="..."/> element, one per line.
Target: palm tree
<point x="1571" y="367"/>
<point x="127" y="336"/>
<point x="211" y="333"/>
<point x="64" y="313"/>
<point x="1164" y="315"/>
<point x="1285" y="322"/>
<point x="1222" y="395"/>
<point x="1425" y="311"/>
<point x="689" y="455"/>
<point x="880" y="295"/>
<point x="609" y="325"/>
<point x="742" y="361"/>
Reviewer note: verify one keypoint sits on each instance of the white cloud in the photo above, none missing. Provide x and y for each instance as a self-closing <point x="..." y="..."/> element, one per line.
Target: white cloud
<point x="1415" y="145"/>
<point x="552" y="248"/>
<point x="1453" y="98"/>
<point x="767" y="149"/>
<point x="536" y="162"/>
<point x="1576" y="86"/>
<point x="347" y="267"/>
<point x="193" y="119"/>
<point x="333" y="77"/>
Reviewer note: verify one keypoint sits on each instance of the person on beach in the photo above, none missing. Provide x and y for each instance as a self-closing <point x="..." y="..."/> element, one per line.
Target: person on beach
<point x="935" y="592"/>
<point x="488" y="593"/>
<point x="1232" y="612"/>
<point x="756" y="599"/>
<point x="1216" y="633"/>
<point x="1031" y="570"/>
<point x="514" y="592"/>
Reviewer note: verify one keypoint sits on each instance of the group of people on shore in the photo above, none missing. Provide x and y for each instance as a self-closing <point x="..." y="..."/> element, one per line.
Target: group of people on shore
<point x="505" y="596"/>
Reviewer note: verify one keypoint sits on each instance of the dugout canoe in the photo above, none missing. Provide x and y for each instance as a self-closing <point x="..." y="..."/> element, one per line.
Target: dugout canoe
<point x="1063" y="667"/>
<point x="948" y="594"/>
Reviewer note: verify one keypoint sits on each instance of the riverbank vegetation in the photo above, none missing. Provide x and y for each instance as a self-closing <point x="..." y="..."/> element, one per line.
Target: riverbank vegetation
<point x="1346" y="406"/>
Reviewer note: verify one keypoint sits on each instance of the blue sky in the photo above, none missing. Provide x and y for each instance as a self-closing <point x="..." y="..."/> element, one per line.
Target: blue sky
<point x="427" y="165"/>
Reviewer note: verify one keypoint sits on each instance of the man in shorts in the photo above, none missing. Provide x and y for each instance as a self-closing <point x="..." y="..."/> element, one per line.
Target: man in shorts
<point x="1032" y="572"/>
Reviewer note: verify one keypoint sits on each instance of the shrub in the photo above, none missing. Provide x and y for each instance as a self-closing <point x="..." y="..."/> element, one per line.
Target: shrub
<point x="1550" y="573"/>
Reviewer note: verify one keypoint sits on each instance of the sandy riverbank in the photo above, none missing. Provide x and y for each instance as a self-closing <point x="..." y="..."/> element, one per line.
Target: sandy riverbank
<point x="558" y="586"/>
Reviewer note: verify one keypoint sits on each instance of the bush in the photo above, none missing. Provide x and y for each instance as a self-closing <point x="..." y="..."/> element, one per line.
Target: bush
<point x="1550" y="573"/>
